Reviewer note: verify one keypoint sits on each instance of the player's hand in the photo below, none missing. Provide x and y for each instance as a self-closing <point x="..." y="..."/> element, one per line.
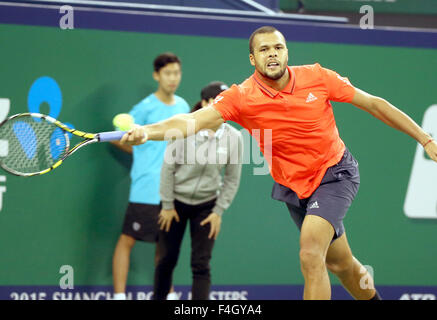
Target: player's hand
<point x="166" y="217"/>
<point x="215" y="222"/>
<point x="431" y="150"/>
<point x="135" y="136"/>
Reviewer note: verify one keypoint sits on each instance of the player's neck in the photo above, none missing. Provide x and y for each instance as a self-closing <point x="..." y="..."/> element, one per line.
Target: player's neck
<point x="165" y="97"/>
<point x="279" y="84"/>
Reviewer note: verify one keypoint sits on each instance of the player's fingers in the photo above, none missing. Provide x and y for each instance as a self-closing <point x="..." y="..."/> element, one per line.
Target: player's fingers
<point x="434" y="155"/>
<point x="205" y="221"/>
<point x="123" y="138"/>
<point x="139" y="134"/>
<point x="211" y="231"/>
<point x="130" y="132"/>
<point x="217" y="231"/>
<point x="128" y="138"/>
<point x="167" y="228"/>
<point x="164" y="221"/>
<point x="162" y="224"/>
<point x="176" y="217"/>
<point x="145" y="137"/>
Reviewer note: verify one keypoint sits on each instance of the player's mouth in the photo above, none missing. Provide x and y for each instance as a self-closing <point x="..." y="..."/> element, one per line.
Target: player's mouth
<point x="273" y="65"/>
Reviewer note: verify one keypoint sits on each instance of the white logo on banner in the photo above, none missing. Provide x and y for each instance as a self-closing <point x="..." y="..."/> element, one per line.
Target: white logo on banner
<point x="421" y="199"/>
<point x="418" y="296"/>
<point x="67" y="280"/>
<point x="367" y="21"/>
<point x="67" y="20"/>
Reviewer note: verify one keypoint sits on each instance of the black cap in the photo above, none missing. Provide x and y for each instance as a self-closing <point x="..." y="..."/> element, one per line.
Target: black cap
<point x="212" y="90"/>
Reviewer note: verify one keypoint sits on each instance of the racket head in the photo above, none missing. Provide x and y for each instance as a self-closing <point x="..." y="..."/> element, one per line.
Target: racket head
<point x="32" y="144"/>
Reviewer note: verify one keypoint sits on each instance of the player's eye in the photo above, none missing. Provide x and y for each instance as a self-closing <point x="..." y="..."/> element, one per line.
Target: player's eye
<point x="171" y="73"/>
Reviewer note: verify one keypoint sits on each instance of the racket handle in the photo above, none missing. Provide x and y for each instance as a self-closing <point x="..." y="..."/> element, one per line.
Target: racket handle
<point x="111" y="135"/>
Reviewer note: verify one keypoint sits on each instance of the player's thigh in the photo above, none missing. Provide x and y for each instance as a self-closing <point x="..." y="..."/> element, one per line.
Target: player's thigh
<point x="201" y="244"/>
<point x="169" y="242"/>
<point x="315" y="237"/>
<point x="127" y="240"/>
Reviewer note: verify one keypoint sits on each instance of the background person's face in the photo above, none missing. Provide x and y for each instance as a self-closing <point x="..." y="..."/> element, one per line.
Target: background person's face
<point x="270" y="55"/>
<point x="207" y="103"/>
<point x="169" y="77"/>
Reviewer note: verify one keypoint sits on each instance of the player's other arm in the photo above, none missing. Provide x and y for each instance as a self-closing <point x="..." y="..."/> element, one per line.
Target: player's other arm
<point x="184" y="124"/>
<point x="395" y="118"/>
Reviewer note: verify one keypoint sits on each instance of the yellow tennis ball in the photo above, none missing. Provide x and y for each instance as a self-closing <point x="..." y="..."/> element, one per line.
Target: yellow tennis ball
<point x="123" y="122"/>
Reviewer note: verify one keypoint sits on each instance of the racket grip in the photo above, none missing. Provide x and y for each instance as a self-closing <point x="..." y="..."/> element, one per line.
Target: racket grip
<point x="111" y="135"/>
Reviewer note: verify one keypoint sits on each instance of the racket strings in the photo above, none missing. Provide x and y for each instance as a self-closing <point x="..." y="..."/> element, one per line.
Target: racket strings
<point x="32" y="144"/>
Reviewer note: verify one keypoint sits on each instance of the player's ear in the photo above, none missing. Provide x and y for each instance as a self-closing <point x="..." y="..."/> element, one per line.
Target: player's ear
<point x="156" y="76"/>
<point x="252" y="59"/>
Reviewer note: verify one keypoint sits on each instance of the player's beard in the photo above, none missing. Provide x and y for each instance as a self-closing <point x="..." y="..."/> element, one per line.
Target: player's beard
<point x="276" y="75"/>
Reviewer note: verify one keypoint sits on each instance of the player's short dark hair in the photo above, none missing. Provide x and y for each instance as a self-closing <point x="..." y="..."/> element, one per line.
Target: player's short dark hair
<point x="164" y="59"/>
<point x="265" y="29"/>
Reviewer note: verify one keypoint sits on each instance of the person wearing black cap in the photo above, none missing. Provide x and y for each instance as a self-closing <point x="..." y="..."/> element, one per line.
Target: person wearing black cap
<point x="196" y="193"/>
<point x="209" y="93"/>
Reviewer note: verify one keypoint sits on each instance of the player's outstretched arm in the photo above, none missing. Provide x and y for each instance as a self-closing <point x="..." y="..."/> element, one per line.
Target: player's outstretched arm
<point x="182" y="124"/>
<point x="395" y="118"/>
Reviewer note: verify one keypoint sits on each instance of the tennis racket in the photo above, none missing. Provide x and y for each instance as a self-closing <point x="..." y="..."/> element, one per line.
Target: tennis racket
<point x="34" y="144"/>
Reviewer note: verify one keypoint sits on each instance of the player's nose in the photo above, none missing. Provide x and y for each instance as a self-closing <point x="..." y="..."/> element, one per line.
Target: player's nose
<point x="273" y="53"/>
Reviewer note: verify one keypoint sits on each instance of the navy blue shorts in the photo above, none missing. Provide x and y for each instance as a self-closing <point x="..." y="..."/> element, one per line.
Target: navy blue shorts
<point x="141" y="221"/>
<point x="330" y="200"/>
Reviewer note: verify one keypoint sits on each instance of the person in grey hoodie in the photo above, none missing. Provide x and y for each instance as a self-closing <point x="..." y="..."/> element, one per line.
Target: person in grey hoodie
<point x="193" y="190"/>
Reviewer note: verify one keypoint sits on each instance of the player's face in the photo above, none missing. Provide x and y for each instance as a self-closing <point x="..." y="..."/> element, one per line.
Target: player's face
<point x="270" y="55"/>
<point x="169" y="77"/>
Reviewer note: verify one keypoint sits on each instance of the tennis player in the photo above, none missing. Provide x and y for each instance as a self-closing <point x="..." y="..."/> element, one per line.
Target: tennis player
<point x="315" y="174"/>
<point x="141" y="219"/>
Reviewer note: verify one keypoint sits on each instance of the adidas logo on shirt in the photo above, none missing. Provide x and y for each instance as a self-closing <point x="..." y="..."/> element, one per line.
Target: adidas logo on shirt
<point x="311" y="98"/>
<point x="314" y="205"/>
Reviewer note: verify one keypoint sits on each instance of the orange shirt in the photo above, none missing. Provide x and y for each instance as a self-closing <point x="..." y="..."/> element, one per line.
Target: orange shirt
<point x="304" y="137"/>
